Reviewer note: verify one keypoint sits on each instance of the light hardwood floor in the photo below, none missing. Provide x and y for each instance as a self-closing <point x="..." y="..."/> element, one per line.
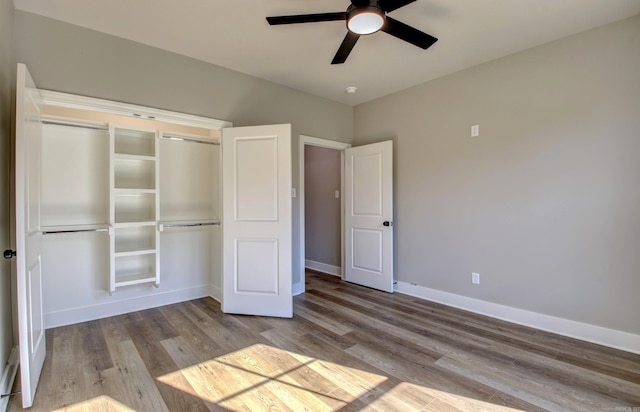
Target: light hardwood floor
<point x="347" y="348"/>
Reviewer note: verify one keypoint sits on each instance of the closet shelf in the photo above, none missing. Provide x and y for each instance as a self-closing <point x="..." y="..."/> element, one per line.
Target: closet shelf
<point x="135" y="253"/>
<point x="135" y="279"/>
<point x="132" y="192"/>
<point x="123" y="156"/>
<point x="134" y="224"/>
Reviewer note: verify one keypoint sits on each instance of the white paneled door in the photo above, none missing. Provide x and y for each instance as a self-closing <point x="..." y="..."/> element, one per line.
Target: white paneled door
<point x="368" y="215"/>
<point x="256" y="193"/>
<point x="31" y="339"/>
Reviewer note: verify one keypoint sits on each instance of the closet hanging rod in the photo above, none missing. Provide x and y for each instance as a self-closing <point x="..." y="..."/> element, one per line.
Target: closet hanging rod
<point x="171" y="225"/>
<point x="80" y="126"/>
<point x="189" y="139"/>
<point x="55" y="232"/>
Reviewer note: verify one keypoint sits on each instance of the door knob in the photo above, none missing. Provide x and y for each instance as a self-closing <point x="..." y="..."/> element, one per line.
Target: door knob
<point x="8" y="253"/>
<point x="387" y="223"/>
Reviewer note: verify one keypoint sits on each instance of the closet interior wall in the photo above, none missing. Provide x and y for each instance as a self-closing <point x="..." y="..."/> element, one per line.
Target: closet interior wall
<point x="75" y="201"/>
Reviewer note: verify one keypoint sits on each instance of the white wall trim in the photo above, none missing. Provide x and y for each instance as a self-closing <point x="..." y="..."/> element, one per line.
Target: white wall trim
<point x="216" y="293"/>
<point x="565" y="327"/>
<point x="330" y="144"/>
<point x="8" y="377"/>
<point x="323" y="267"/>
<point x="120" y="307"/>
<point x="72" y="101"/>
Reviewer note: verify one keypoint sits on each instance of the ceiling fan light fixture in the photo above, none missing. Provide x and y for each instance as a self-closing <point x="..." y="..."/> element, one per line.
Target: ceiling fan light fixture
<point x="365" y="20"/>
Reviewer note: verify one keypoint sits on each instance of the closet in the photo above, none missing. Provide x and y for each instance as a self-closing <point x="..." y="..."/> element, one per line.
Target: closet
<point x="130" y="211"/>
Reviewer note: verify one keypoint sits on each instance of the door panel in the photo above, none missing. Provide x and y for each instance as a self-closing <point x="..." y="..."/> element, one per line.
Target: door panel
<point x="256" y="194"/>
<point x="256" y="185"/>
<point x="257" y="266"/>
<point x="34" y="305"/>
<point x="367" y="182"/>
<point x="367" y="249"/>
<point x="31" y="333"/>
<point x="368" y="204"/>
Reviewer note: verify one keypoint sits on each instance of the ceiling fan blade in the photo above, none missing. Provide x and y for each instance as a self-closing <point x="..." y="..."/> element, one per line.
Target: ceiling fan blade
<point x="391" y="5"/>
<point x="345" y="48"/>
<point x="408" y="33"/>
<point x="307" y="18"/>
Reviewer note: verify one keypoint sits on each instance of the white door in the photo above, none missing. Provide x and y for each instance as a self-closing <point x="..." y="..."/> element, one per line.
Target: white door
<point x="256" y="224"/>
<point x="368" y="215"/>
<point x="31" y="339"/>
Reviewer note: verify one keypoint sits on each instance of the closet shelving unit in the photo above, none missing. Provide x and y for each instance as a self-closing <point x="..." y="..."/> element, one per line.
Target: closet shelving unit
<point x="133" y="208"/>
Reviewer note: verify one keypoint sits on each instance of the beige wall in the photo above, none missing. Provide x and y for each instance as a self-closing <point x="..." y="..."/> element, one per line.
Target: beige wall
<point x="545" y="204"/>
<point x="6" y="85"/>
<point x="322" y="177"/>
<point x="72" y="59"/>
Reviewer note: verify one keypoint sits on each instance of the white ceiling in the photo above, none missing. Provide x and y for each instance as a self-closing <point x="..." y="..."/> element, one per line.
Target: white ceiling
<point x="235" y="34"/>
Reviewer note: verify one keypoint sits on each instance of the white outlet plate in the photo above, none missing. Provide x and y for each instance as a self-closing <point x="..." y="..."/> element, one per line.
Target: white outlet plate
<point x="293" y="192"/>
<point x="475" y="278"/>
<point x="337" y="194"/>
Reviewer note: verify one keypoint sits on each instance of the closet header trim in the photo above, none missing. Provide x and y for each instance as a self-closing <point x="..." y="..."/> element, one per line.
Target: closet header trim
<point x="72" y="101"/>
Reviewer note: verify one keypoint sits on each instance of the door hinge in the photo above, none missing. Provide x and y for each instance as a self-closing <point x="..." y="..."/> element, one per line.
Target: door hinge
<point x="9" y="253"/>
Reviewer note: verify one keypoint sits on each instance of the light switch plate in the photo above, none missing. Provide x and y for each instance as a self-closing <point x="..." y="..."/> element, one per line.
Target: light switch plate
<point x="475" y="130"/>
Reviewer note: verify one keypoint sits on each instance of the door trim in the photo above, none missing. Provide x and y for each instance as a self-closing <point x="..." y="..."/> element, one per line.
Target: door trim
<point x="298" y="288"/>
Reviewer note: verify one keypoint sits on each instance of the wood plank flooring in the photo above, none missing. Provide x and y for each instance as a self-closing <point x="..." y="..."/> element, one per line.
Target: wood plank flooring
<point x="348" y="348"/>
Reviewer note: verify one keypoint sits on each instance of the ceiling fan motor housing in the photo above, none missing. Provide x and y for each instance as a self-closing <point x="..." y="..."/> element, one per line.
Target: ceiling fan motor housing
<point x="365" y="17"/>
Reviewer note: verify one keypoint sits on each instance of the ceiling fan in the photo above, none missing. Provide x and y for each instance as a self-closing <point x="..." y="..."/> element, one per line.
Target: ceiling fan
<point x="364" y="17"/>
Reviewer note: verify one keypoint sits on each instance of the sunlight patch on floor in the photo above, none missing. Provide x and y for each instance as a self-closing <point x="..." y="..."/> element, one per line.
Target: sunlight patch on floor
<point x="97" y="404"/>
<point x="261" y="377"/>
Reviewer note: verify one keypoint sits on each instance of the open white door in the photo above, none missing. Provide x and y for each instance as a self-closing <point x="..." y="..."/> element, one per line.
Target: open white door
<point x="256" y="224"/>
<point x="368" y="215"/>
<point x="31" y="339"/>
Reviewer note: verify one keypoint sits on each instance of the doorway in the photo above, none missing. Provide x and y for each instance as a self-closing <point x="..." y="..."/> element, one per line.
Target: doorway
<point x="322" y="199"/>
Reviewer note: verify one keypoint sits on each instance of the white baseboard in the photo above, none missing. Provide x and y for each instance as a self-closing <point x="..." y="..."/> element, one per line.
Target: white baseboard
<point x="8" y="377"/>
<point x="583" y="331"/>
<point x="104" y="310"/>
<point x="323" y="267"/>
<point x="216" y="293"/>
